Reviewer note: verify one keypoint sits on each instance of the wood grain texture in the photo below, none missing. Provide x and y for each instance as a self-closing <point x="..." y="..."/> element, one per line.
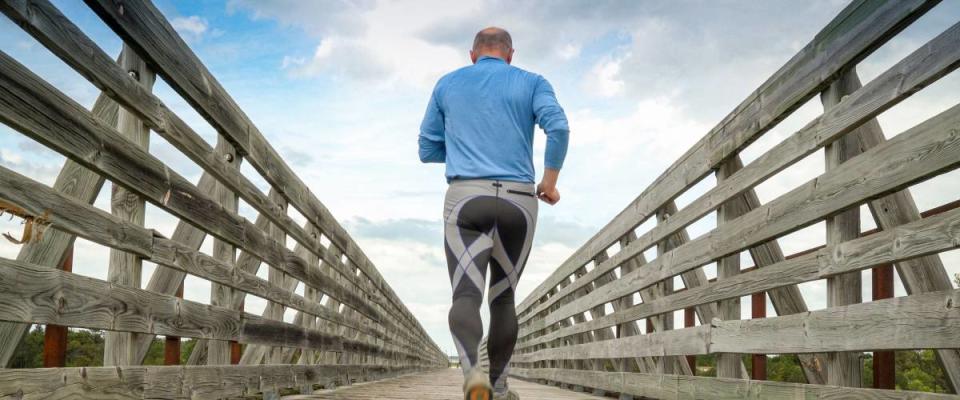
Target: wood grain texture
<point x="920" y="321"/>
<point x="917" y="154"/>
<point x="843" y="369"/>
<point x="922" y="274"/>
<point x="50" y="27"/>
<point x="80" y="137"/>
<point x="49" y="296"/>
<point x="916" y="239"/>
<point x="74" y="181"/>
<point x="696" y="387"/>
<point x="922" y="67"/>
<point x="125" y="268"/>
<point x="143" y="26"/>
<point x="852" y="35"/>
<point x="96" y="225"/>
<point x="175" y="382"/>
<point x="218" y="351"/>
<point x="729" y="365"/>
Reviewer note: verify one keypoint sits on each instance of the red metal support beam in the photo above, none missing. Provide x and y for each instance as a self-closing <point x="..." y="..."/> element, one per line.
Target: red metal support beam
<point x="55" y="336"/>
<point x="171" y="346"/>
<point x="235" y="352"/>
<point x="758" y="308"/>
<point x="884" y="362"/>
<point x="689" y="321"/>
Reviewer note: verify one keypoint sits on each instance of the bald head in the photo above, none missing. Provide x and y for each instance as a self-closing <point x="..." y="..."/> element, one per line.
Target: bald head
<point x="492" y="41"/>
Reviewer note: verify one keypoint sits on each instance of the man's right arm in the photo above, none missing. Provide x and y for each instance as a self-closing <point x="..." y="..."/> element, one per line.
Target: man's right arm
<point x="431" y="141"/>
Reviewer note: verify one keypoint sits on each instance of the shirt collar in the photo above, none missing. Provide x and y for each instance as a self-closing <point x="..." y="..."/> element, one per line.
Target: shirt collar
<point x="485" y="58"/>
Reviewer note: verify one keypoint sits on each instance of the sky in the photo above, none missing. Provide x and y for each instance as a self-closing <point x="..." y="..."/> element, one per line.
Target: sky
<point x="339" y="88"/>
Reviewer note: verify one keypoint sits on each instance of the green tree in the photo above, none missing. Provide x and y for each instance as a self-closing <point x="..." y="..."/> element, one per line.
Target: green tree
<point x="29" y="353"/>
<point x="920" y="371"/>
<point x="84" y="348"/>
<point x="785" y="368"/>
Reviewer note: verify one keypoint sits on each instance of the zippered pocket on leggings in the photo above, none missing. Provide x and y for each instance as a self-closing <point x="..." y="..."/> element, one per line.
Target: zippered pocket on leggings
<point x="522" y="193"/>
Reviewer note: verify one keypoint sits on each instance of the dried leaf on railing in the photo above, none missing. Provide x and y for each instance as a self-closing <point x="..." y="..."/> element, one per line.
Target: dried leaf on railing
<point x="34" y="226"/>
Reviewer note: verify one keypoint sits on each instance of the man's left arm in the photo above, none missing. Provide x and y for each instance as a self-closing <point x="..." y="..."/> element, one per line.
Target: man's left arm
<point x="432" y="145"/>
<point x="553" y="121"/>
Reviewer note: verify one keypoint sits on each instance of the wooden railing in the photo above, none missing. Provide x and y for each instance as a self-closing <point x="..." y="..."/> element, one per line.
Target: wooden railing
<point x="583" y="327"/>
<point x="349" y="324"/>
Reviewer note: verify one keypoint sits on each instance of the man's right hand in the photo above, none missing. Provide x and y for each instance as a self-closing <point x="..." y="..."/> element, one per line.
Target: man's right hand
<point x="547" y="189"/>
<point x="548" y="194"/>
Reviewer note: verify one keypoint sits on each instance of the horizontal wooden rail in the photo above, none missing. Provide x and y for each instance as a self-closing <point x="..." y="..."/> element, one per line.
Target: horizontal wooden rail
<point x="661" y="386"/>
<point x="937" y="233"/>
<point x="859" y="29"/>
<point x="142" y="26"/>
<point x="86" y="221"/>
<point x="923" y="151"/>
<point x="179" y="382"/>
<point x="924" y="66"/>
<point x="50" y="296"/>
<point x="923" y="321"/>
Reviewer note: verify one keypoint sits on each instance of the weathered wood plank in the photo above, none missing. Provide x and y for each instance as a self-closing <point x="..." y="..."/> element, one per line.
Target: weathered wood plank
<point x="124" y="268"/>
<point x="920" y="321"/>
<point x="843" y="369"/>
<point x="96" y="225"/>
<point x="38" y="106"/>
<point x="50" y="27"/>
<point x="916" y="239"/>
<point x="677" y="342"/>
<point x="917" y="154"/>
<point x="143" y="26"/>
<point x="697" y="387"/>
<point x="50" y="296"/>
<point x="45" y="22"/>
<point x="729" y="365"/>
<point x="919" y="275"/>
<point x="218" y="351"/>
<point x="859" y="29"/>
<point x="922" y="67"/>
<point x="173" y="382"/>
<point x="74" y="181"/>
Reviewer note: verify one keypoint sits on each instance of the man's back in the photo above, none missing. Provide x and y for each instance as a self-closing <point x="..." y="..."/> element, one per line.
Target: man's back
<point x="480" y="122"/>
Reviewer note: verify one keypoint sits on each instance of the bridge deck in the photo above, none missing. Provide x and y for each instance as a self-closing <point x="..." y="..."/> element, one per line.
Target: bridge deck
<point x="438" y="385"/>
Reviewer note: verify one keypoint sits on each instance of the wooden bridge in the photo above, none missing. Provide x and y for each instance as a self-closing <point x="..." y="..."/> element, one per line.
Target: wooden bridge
<point x="601" y="325"/>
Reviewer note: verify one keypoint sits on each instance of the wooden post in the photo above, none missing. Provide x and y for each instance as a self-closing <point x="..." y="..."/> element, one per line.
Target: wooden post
<point x="55" y="336"/>
<point x="218" y="351"/>
<point x="758" y="309"/>
<point x="884" y="362"/>
<point x="843" y="368"/>
<point x="125" y="268"/>
<point x="729" y="365"/>
<point x="171" y="345"/>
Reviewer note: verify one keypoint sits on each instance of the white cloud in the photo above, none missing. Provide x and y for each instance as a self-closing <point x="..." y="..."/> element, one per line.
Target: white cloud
<point x="604" y="79"/>
<point x="192" y="27"/>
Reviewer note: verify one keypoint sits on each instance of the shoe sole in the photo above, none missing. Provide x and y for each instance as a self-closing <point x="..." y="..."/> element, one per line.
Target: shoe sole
<point x="478" y="393"/>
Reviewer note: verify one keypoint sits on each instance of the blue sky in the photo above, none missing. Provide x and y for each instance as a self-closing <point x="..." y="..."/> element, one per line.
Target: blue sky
<point x="339" y="88"/>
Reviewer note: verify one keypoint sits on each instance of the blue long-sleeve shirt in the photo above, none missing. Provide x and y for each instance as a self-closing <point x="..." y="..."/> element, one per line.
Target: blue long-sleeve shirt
<point x="480" y="123"/>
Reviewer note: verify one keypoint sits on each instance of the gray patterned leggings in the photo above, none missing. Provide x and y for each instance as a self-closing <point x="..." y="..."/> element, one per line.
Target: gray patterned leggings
<point x="487" y="222"/>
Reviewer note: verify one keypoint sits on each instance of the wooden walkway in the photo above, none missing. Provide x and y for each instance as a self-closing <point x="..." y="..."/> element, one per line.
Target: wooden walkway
<point x="438" y="385"/>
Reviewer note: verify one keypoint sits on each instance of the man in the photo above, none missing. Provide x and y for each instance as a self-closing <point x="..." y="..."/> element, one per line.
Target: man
<point x="480" y="122"/>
